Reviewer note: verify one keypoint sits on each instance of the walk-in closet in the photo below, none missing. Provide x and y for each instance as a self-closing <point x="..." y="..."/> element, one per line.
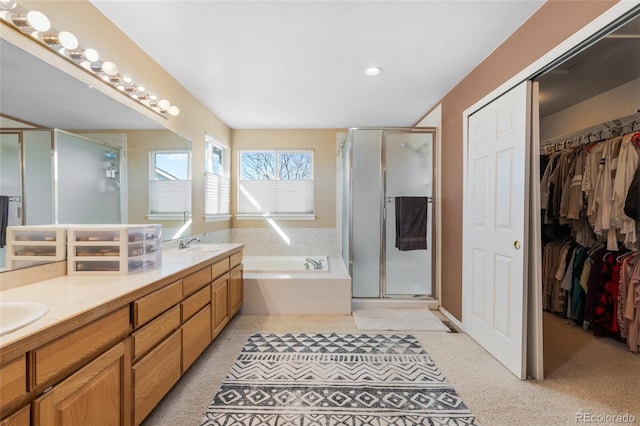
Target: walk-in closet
<point x="590" y="189"/>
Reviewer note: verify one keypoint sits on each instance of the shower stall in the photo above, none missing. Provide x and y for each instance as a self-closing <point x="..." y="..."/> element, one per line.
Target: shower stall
<point x="379" y="166"/>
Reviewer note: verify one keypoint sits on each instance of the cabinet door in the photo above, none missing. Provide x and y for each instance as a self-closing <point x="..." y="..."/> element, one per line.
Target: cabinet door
<point x="155" y="374"/>
<point x="196" y="336"/>
<point x="97" y="394"/>
<point x="235" y="290"/>
<point x="21" y="418"/>
<point x="13" y="384"/>
<point x="220" y="304"/>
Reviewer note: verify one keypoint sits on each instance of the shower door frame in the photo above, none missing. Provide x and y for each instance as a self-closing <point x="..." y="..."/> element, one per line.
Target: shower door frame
<point x="383" y="225"/>
<point x="382" y="196"/>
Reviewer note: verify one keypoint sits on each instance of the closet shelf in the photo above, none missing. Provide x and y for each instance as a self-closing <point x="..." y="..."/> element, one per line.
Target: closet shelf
<point x="602" y="131"/>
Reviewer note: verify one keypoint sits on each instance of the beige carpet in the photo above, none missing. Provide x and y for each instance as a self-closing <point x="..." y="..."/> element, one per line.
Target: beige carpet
<point x="587" y="374"/>
<point x="397" y="319"/>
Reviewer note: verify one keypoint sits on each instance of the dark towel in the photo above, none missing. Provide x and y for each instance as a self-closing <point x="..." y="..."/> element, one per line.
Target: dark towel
<point x="411" y="223"/>
<point x="4" y="219"/>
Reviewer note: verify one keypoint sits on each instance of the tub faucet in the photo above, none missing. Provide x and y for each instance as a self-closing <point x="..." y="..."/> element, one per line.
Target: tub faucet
<point x="315" y="263"/>
<point x="183" y="244"/>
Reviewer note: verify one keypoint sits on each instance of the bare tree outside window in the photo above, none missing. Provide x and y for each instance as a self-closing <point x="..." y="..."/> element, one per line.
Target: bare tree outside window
<point x="258" y="166"/>
<point x="295" y="166"/>
<point x="267" y="165"/>
<point x="275" y="182"/>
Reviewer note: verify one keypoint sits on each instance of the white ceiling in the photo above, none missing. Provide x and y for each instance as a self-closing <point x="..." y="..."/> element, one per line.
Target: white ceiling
<point x="300" y="64"/>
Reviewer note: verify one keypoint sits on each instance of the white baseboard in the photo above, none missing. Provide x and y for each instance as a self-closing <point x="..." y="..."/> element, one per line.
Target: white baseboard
<point x="451" y="318"/>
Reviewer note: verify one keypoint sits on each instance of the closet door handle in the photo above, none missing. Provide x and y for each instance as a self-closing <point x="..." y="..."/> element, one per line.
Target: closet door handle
<point x="516" y="244"/>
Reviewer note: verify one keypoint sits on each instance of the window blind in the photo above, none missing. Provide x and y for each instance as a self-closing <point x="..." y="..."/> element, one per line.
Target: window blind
<point x="217" y="194"/>
<point x="275" y="196"/>
<point x="169" y="196"/>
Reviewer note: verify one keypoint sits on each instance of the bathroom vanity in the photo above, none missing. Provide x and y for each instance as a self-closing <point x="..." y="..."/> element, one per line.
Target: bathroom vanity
<point x="110" y="347"/>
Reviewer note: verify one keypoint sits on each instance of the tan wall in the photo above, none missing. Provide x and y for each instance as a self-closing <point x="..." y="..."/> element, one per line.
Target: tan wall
<point x="94" y="30"/>
<point x="323" y="143"/>
<point x="553" y="23"/>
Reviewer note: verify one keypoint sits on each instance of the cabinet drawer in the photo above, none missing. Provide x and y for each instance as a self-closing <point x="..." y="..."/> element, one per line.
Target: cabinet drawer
<point x="150" y="306"/>
<point x="13" y="380"/>
<point x="219" y="268"/>
<point x="196" y="281"/>
<point x="235" y="259"/>
<point x="95" y="395"/>
<point x="153" y="333"/>
<point x="154" y="375"/>
<point x="196" y="336"/>
<point x="21" y="418"/>
<point x="194" y="303"/>
<point x="74" y="349"/>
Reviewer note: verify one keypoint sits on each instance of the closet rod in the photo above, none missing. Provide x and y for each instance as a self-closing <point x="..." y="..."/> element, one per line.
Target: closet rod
<point x="591" y="134"/>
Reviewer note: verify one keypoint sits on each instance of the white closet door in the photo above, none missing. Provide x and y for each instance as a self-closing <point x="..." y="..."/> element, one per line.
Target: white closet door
<point x="495" y="222"/>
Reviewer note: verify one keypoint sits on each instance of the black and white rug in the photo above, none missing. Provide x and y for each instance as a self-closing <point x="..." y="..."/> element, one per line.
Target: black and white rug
<point x="335" y="379"/>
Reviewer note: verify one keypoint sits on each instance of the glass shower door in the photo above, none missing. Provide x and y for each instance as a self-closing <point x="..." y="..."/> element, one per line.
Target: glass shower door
<point x="408" y="159"/>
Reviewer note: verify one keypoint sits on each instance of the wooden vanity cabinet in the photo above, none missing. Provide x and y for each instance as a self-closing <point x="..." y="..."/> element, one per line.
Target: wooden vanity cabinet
<point x="13" y="384"/>
<point x="98" y="393"/>
<point x="203" y="303"/>
<point x="115" y="369"/>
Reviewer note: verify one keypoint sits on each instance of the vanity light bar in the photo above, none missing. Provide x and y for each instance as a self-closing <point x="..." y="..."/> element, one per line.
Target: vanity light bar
<point x="36" y="25"/>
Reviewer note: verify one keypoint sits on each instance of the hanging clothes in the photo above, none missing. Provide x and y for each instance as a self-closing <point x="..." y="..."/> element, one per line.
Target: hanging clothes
<point x="590" y="262"/>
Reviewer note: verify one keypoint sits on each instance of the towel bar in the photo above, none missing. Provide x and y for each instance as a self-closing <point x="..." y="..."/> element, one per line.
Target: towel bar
<point x="392" y="199"/>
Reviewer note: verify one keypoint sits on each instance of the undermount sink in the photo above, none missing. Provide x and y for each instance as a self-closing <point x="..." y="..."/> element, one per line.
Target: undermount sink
<point x="199" y="248"/>
<point x="15" y="315"/>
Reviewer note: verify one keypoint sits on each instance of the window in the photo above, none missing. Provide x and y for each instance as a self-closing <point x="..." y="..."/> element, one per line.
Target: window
<point x="275" y="183"/>
<point x="170" y="184"/>
<point x="216" y="185"/>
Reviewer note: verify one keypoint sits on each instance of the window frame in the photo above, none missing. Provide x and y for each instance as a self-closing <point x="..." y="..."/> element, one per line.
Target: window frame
<point x="160" y="215"/>
<point x="276" y="178"/>
<point x="223" y="175"/>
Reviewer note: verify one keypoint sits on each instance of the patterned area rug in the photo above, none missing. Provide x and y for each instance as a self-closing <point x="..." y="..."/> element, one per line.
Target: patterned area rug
<point x="335" y="379"/>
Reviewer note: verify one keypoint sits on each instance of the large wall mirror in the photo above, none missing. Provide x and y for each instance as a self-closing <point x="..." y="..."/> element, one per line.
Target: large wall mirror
<point x="71" y="154"/>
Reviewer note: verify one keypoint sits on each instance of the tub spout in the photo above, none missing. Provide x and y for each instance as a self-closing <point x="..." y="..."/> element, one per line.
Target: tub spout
<point x="316" y="264"/>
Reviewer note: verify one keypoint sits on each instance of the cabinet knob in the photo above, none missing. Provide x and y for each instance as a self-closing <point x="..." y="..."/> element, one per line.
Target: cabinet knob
<point x="516" y="244"/>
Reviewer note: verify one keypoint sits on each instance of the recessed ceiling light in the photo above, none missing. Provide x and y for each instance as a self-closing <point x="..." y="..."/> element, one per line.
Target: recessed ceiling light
<point x="373" y="71"/>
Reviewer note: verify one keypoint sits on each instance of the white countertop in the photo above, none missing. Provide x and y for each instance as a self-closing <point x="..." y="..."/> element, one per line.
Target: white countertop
<point x="71" y="295"/>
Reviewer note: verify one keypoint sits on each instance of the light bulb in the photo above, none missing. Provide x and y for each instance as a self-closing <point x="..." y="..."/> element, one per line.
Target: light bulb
<point x="63" y="38"/>
<point x="373" y="71"/>
<point x="127" y="80"/>
<point x="174" y="110"/>
<point x="91" y="55"/>
<point x="164" y="105"/>
<point x="8" y="4"/>
<point x="109" y="68"/>
<point x="67" y="40"/>
<point x="34" y="19"/>
<point x="80" y="55"/>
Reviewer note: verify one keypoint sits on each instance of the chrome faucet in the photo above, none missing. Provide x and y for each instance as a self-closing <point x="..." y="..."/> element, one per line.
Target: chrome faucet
<point x="185" y="243"/>
<point x="316" y="264"/>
